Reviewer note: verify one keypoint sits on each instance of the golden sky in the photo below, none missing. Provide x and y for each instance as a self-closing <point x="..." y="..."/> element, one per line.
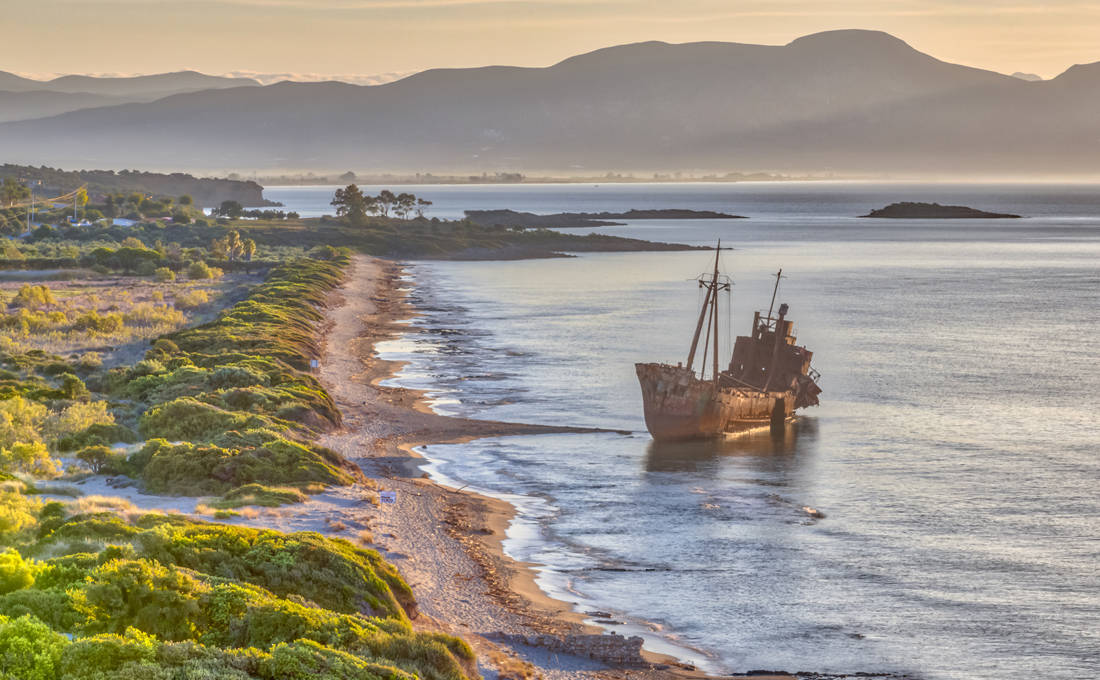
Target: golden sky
<point x="371" y="37"/>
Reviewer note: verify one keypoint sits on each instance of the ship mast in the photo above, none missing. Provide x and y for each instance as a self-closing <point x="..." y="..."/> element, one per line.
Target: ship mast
<point x="709" y="313"/>
<point x="778" y="275"/>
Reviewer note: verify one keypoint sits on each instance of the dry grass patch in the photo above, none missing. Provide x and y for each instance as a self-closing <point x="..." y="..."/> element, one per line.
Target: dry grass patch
<point x="90" y="314"/>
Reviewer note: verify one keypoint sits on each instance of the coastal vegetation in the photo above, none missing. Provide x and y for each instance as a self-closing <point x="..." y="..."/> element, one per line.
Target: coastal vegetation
<point x="92" y="587"/>
<point x="205" y="191"/>
<point x="147" y="343"/>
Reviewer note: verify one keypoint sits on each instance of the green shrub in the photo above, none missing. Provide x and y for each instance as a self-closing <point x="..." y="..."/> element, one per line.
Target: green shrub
<point x="90" y="361"/>
<point x="16" y="573"/>
<point x="103" y="657"/>
<point x="191" y="299"/>
<point x="306" y="660"/>
<point x="258" y="494"/>
<point x="164" y="275"/>
<point x="197" y="271"/>
<point x="165" y="346"/>
<point x="102" y="460"/>
<point x="29" y="649"/>
<point x="32" y="297"/>
<point x="99" y="434"/>
<point x="155" y="599"/>
<point x="189" y="419"/>
<point x="94" y="322"/>
<point x="193" y="469"/>
<point x="52" y="606"/>
<point x="73" y="387"/>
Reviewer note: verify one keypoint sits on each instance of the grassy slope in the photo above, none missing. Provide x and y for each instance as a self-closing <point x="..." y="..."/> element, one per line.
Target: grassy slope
<point x="96" y="590"/>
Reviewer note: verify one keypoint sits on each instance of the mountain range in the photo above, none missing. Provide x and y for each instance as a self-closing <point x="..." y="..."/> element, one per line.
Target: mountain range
<point x="24" y="98"/>
<point x="842" y="101"/>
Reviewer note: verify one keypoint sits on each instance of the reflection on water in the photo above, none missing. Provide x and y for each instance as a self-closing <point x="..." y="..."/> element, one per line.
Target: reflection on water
<point x="760" y="449"/>
<point x="955" y="470"/>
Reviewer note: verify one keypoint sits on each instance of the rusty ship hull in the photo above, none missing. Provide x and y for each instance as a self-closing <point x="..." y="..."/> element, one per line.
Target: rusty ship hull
<point x="679" y="406"/>
<point x="768" y="376"/>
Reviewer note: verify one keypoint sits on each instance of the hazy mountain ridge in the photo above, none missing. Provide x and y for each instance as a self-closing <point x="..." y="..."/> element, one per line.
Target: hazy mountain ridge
<point x="24" y="98"/>
<point x="845" y="101"/>
<point x="39" y="103"/>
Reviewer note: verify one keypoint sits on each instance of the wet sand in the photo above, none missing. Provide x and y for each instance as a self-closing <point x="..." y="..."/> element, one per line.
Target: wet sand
<point x="447" y="543"/>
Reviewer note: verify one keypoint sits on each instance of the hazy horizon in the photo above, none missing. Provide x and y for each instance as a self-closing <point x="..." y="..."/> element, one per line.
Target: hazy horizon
<point x="368" y="41"/>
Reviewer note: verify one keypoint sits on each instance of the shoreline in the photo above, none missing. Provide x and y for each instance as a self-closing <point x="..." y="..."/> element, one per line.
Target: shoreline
<point x="449" y="543"/>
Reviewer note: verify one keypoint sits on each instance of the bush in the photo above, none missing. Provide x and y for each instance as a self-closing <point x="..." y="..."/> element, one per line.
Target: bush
<point x="17" y="514"/>
<point x="73" y="387"/>
<point x="147" y="367"/>
<point x="194" y="469"/>
<point x="165" y="346"/>
<point x="94" y="322"/>
<point x="99" y="434"/>
<point x="191" y="299"/>
<point x="52" y="606"/>
<point x="90" y="361"/>
<point x="258" y="494"/>
<point x="164" y="275"/>
<point x="33" y="297"/>
<point x="201" y="271"/>
<point x="102" y="657"/>
<point x="77" y="417"/>
<point x="101" y="459"/>
<point x="188" y="419"/>
<point x="29" y="650"/>
<point x="27" y="458"/>
<point x="16" y="573"/>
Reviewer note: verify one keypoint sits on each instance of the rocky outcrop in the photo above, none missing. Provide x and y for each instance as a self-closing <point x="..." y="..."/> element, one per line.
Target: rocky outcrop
<point x="925" y="211"/>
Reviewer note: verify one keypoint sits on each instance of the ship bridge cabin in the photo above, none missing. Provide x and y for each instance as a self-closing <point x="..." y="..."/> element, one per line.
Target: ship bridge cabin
<point x="769" y="359"/>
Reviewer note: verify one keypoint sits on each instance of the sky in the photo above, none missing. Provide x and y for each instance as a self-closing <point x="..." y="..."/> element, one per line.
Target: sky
<point x="377" y="40"/>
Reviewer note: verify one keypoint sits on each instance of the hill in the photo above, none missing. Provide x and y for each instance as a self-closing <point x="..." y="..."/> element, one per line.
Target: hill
<point x="842" y="101"/>
<point x="24" y="98"/>
<point x="205" y="191"/>
<point x="40" y="103"/>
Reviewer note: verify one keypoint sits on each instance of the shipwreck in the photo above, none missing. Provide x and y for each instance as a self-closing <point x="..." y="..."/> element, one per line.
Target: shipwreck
<point x="768" y="377"/>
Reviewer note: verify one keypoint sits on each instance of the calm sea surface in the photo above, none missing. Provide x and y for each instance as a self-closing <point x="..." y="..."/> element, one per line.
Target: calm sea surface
<point x="956" y="453"/>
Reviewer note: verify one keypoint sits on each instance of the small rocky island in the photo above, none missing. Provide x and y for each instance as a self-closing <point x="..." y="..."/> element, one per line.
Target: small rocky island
<point x="924" y="211"/>
<point x="513" y="218"/>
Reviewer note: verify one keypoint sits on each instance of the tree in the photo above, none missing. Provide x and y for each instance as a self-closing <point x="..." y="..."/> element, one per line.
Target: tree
<point x="186" y="200"/>
<point x="230" y="209"/>
<point x="404" y="204"/>
<point x="248" y="249"/>
<point x="421" y="206"/>
<point x="12" y="190"/>
<point x="386" y="199"/>
<point x="350" y="204"/>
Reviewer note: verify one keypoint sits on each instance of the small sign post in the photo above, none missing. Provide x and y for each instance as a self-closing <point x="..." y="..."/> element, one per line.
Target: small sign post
<point x="387" y="497"/>
<point x="313" y="364"/>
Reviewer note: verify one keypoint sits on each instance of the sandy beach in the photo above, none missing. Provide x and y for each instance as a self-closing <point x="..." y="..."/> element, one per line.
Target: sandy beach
<point x="447" y="543"/>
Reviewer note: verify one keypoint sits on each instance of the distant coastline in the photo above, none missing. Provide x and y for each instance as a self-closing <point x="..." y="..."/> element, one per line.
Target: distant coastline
<point x="311" y="179"/>
<point x="578" y="220"/>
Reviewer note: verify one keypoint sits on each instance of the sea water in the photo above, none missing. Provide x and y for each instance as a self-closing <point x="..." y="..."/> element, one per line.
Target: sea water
<point x="955" y="455"/>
